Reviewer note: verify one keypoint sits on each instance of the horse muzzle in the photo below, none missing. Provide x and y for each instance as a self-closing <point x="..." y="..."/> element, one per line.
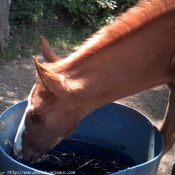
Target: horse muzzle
<point x="27" y="155"/>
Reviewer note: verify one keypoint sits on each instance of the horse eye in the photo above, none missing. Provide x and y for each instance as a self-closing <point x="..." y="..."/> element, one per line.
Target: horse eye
<point x="35" y="118"/>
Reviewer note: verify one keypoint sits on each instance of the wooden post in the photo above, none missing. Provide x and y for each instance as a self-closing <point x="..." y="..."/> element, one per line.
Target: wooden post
<point x="4" y="23"/>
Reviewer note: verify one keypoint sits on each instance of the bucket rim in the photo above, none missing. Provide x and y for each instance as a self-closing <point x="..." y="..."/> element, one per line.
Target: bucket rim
<point x="133" y="167"/>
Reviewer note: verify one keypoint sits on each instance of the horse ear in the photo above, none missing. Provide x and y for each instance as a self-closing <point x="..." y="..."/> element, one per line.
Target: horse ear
<point x="47" y="51"/>
<point x="48" y="77"/>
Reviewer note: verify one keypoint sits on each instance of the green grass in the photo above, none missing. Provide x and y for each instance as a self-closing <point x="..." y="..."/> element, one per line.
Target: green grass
<point x="65" y="38"/>
<point x="25" y="42"/>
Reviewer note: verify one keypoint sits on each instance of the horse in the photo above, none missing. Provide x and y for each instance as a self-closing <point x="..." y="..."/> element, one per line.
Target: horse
<point x="134" y="53"/>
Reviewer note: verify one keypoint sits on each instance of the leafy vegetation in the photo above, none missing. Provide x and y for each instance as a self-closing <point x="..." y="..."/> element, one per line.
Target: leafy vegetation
<point x="3" y="128"/>
<point x="26" y="42"/>
<point x="92" y="13"/>
<point x="64" y="23"/>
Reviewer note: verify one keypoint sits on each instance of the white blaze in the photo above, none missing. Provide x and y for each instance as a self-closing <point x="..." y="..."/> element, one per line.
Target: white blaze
<point x="18" y="139"/>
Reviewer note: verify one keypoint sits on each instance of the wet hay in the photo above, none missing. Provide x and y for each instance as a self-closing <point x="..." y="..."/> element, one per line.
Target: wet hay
<point x="96" y="160"/>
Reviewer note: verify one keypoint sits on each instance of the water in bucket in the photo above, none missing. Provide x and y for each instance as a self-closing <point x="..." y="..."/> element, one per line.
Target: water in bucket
<point x="115" y="127"/>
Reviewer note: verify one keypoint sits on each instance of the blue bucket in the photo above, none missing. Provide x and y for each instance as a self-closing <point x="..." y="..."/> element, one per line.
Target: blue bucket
<point x="112" y="126"/>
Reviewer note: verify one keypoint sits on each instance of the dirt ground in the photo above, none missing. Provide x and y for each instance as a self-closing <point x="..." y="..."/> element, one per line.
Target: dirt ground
<point x="18" y="76"/>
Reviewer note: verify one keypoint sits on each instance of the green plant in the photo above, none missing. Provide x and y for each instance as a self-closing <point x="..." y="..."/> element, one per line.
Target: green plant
<point x="25" y="42"/>
<point x="123" y="5"/>
<point x="65" y="37"/>
<point x="92" y="13"/>
<point x="64" y="23"/>
<point x="3" y="128"/>
<point x="31" y="12"/>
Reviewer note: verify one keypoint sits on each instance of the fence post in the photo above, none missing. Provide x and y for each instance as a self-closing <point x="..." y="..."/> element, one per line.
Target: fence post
<point x="4" y="23"/>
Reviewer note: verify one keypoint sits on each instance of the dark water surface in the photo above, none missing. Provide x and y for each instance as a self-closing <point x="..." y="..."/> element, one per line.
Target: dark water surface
<point x="79" y="157"/>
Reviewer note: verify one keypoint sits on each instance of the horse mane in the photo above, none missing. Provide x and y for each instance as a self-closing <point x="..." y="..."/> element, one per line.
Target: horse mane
<point x="141" y="15"/>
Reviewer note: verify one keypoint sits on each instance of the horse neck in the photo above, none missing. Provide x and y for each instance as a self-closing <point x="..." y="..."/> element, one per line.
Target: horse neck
<point x="118" y="65"/>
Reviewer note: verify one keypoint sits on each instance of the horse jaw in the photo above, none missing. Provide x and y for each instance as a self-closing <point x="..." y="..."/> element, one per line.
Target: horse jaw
<point x="18" y="138"/>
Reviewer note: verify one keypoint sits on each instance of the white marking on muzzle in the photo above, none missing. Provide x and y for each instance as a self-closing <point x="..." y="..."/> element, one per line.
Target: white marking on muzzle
<point x="18" y="139"/>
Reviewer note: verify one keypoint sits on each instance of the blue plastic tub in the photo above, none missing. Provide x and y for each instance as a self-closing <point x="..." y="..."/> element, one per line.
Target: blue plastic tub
<point x="113" y="126"/>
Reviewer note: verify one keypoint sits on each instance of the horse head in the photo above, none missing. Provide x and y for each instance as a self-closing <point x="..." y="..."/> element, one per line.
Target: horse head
<point x="46" y="120"/>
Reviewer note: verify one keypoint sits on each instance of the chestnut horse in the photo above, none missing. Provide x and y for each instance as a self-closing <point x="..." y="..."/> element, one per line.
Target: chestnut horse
<point x="134" y="53"/>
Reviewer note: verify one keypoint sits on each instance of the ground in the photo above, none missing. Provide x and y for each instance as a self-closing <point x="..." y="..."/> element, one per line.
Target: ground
<point x="18" y="76"/>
